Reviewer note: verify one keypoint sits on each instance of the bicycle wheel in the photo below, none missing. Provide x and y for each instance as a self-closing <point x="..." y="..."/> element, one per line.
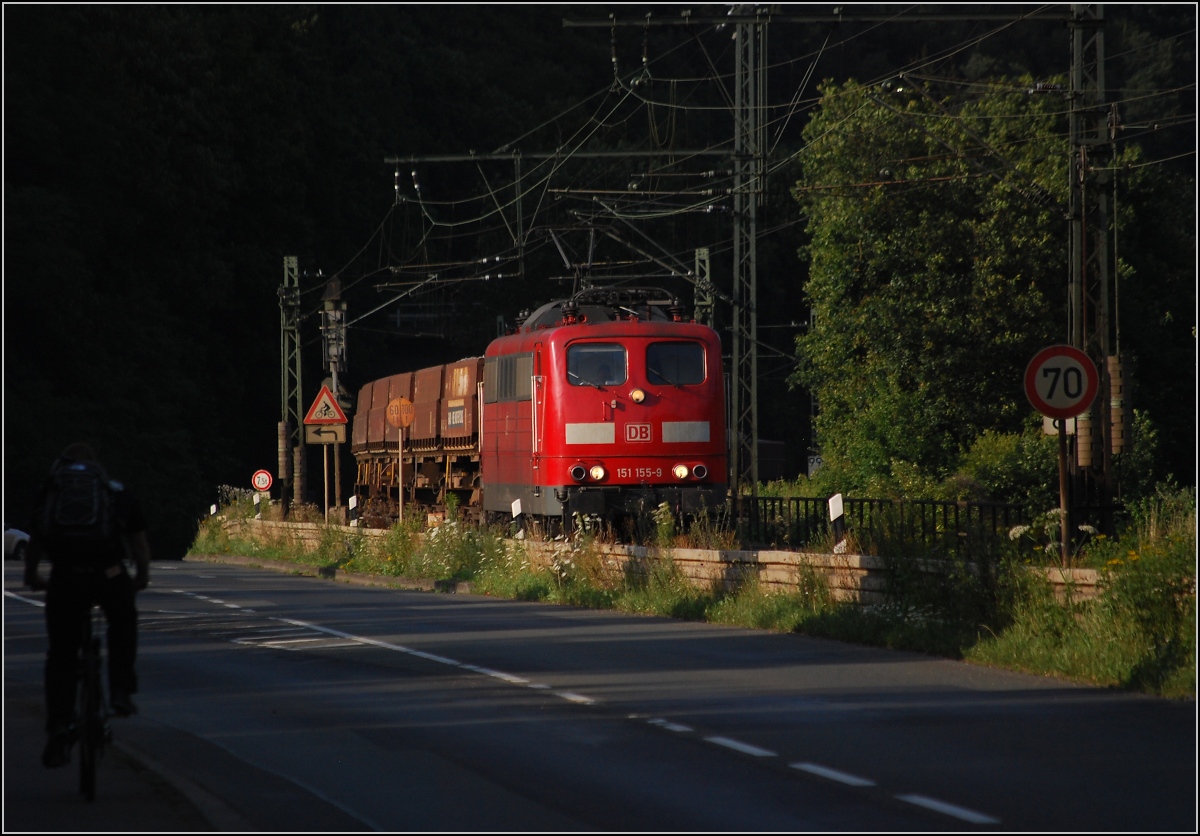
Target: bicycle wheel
<point x="91" y="720"/>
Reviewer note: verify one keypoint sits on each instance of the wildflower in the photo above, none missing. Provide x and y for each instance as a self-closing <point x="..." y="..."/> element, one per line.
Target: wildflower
<point x="1087" y="529"/>
<point x="1016" y="532"/>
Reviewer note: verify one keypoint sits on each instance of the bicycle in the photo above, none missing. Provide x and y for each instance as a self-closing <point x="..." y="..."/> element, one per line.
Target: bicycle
<point x="93" y="731"/>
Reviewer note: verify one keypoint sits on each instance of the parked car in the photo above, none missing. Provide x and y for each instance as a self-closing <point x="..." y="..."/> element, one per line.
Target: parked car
<point x="16" y="542"/>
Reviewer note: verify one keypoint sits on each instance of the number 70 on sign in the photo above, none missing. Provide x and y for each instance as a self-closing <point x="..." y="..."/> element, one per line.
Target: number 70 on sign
<point x="1061" y="381"/>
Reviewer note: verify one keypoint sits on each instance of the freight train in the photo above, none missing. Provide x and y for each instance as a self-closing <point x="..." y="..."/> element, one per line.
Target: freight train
<point x="603" y="405"/>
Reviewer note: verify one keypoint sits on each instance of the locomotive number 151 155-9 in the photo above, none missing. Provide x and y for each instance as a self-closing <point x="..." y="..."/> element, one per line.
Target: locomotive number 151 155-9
<point x="638" y="472"/>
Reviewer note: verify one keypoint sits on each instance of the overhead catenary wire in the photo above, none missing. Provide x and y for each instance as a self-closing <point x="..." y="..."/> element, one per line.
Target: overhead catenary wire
<point x="615" y="106"/>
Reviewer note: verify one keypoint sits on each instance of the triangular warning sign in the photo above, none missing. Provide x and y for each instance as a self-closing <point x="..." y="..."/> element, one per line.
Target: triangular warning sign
<point x="325" y="410"/>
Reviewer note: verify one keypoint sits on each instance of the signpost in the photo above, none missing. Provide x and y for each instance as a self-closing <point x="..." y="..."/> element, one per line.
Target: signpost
<point x="400" y="414"/>
<point x="261" y="480"/>
<point x="325" y="424"/>
<point x="1061" y="382"/>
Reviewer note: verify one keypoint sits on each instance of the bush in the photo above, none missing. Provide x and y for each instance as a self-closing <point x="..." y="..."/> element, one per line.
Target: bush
<point x="1150" y="590"/>
<point x="1010" y="467"/>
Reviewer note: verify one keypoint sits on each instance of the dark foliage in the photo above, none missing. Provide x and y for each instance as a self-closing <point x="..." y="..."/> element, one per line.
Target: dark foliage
<point x="160" y="161"/>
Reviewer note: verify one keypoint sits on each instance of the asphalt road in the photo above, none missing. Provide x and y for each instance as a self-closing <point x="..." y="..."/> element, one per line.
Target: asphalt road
<point x="277" y="702"/>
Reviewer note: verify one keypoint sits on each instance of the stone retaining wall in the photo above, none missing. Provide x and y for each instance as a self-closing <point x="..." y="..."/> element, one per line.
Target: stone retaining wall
<point x="850" y="577"/>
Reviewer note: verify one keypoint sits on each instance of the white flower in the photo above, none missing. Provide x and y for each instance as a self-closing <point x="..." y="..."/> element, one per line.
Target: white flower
<point x="1016" y="531"/>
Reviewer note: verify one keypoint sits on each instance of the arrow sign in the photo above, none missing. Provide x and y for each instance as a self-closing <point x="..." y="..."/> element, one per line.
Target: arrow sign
<point x="1061" y="381"/>
<point x="325" y="410"/>
<point x="325" y="434"/>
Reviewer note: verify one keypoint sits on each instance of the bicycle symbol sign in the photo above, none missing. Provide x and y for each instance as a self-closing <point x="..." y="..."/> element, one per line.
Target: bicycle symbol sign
<point x="1061" y="381"/>
<point x="325" y="410"/>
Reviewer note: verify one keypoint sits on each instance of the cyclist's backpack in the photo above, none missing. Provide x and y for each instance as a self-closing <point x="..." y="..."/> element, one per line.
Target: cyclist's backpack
<point x="77" y="517"/>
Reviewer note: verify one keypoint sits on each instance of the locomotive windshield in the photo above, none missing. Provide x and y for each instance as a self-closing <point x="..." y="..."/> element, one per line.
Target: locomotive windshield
<point x="596" y="364"/>
<point x="676" y="364"/>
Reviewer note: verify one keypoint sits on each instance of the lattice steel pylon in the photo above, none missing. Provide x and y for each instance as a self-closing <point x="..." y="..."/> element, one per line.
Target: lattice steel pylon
<point x="705" y="303"/>
<point x="750" y="97"/>
<point x="291" y="436"/>
<point x="1090" y="322"/>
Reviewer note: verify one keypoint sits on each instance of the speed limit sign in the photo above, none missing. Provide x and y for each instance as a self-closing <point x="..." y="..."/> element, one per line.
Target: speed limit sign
<point x="400" y="412"/>
<point x="261" y="480"/>
<point x="1061" y="381"/>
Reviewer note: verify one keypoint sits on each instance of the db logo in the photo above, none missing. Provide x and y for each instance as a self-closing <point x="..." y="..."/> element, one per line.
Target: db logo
<point x="637" y="432"/>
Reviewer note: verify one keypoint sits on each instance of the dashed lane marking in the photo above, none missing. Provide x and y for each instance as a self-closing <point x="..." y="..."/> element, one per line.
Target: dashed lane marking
<point x="739" y="746"/>
<point x="350" y="640"/>
<point x="949" y="809"/>
<point x="571" y="696"/>
<point x="833" y="774"/>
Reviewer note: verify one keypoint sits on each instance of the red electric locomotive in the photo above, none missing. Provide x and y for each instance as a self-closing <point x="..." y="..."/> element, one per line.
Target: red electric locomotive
<point x="606" y="404"/>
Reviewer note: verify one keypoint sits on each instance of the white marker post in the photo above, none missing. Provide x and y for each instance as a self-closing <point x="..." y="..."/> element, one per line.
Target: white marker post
<point x="837" y="522"/>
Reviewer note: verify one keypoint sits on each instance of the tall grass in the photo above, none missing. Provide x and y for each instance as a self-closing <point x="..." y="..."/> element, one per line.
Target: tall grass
<point x="1140" y="633"/>
<point x="994" y="609"/>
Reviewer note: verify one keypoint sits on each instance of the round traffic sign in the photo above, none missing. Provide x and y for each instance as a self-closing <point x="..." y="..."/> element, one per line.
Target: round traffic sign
<point x="400" y="412"/>
<point x="261" y="480"/>
<point x="1061" y="381"/>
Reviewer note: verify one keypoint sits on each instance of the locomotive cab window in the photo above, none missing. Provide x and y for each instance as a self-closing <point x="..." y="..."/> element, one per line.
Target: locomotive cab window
<point x="675" y="364"/>
<point x="596" y="364"/>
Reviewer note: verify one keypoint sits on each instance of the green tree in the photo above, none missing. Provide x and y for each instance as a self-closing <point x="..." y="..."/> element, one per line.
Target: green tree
<point x="936" y="263"/>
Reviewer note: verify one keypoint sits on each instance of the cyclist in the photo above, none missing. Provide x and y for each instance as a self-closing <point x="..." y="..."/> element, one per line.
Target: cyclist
<point x="83" y="572"/>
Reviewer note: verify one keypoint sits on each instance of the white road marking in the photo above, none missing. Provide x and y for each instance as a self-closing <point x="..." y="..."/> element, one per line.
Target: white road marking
<point x="833" y="774"/>
<point x="948" y="809"/>
<point x="579" y="698"/>
<point x="282" y="642"/>
<point x="738" y="746"/>
<point x="375" y="642"/>
<point x="955" y="811"/>
<point x="507" y="677"/>
<point x="23" y="598"/>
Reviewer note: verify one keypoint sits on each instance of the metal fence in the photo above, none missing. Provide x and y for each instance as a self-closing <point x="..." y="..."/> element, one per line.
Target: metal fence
<point x="959" y="528"/>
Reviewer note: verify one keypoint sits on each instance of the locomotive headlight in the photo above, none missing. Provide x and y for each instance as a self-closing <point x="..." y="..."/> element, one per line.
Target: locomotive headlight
<point x="699" y="471"/>
<point x="597" y="472"/>
<point x="578" y="472"/>
<point x="680" y="471"/>
<point x="637" y="396"/>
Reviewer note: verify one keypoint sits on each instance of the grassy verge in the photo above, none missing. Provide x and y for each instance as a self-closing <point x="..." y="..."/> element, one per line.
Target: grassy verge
<point x="1138" y="634"/>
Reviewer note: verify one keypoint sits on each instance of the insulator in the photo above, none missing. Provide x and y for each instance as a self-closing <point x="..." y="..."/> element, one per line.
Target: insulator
<point x="1121" y="404"/>
<point x="1084" y="439"/>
